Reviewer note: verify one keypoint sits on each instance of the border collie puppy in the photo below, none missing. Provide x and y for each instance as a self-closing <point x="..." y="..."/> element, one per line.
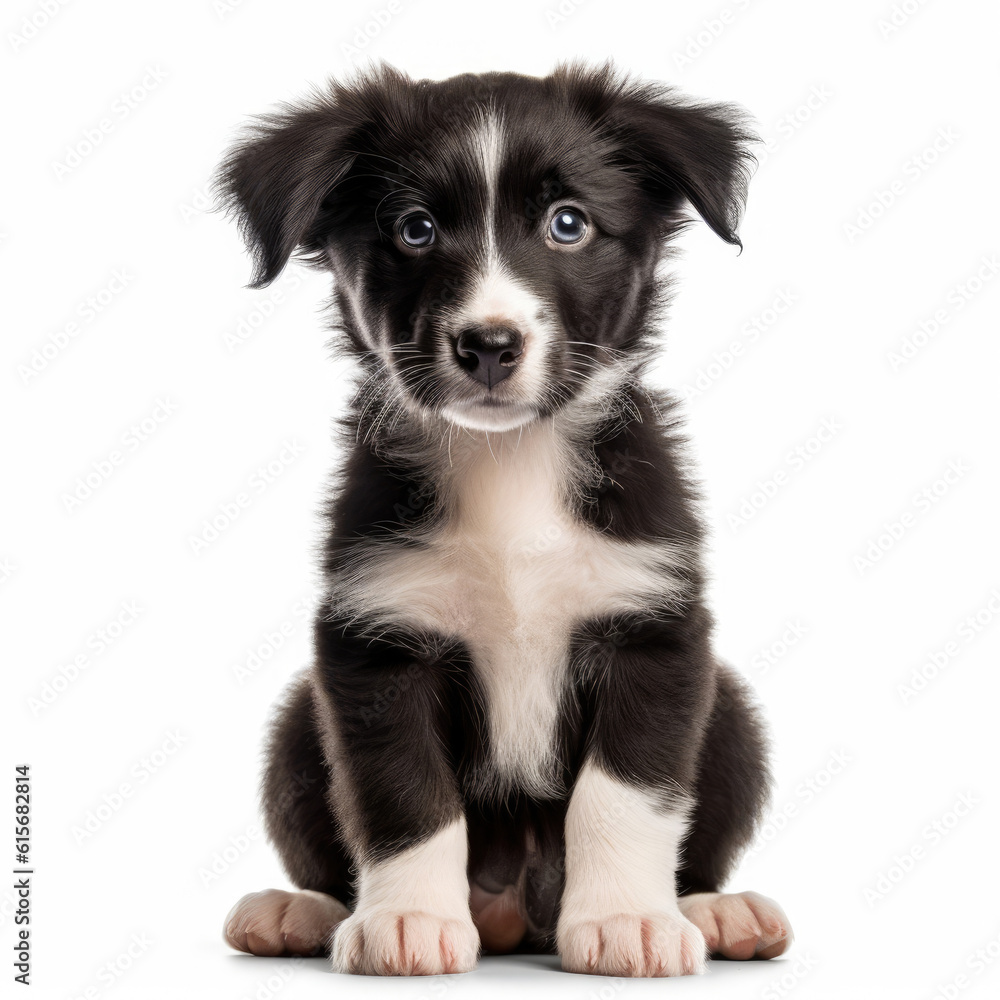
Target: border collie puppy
<point x="515" y="734"/>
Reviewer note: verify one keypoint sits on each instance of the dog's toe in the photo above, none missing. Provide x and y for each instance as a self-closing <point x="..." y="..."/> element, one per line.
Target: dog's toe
<point x="632" y="944"/>
<point x="391" y="943"/>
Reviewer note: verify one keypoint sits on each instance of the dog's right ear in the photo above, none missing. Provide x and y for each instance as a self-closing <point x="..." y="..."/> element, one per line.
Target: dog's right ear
<point x="276" y="178"/>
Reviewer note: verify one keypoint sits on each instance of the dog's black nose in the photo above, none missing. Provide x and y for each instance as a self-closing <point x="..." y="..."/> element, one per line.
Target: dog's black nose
<point x="489" y="353"/>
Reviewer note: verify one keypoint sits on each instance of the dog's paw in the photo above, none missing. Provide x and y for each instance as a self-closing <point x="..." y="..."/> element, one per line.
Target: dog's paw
<point x="275" y="922"/>
<point x="739" y="925"/>
<point x="388" y="943"/>
<point x="632" y="944"/>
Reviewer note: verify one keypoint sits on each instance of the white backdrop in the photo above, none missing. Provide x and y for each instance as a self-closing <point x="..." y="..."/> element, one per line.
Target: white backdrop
<point x="841" y="377"/>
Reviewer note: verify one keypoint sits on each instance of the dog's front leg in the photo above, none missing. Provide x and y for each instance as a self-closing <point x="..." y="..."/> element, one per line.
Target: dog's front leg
<point x="628" y="812"/>
<point x="395" y="796"/>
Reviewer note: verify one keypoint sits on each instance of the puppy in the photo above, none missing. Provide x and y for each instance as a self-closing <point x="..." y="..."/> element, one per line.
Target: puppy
<point x="515" y="734"/>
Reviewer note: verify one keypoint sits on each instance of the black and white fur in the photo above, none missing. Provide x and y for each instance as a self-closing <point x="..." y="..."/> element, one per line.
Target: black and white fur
<point x="522" y="736"/>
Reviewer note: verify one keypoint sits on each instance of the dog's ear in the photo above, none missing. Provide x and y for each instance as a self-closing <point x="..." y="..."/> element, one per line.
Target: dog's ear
<point x="683" y="151"/>
<point x="276" y="178"/>
<point x="680" y="151"/>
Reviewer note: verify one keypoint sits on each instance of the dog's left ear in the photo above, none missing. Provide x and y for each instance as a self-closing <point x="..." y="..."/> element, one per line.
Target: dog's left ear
<point x="682" y="151"/>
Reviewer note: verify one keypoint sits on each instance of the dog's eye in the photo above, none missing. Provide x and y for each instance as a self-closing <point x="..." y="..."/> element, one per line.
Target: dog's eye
<point x="416" y="231"/>
<point x="567" y="226"/>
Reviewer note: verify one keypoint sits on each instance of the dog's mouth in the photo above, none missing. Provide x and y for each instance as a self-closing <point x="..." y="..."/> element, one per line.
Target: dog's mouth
<point x="489" y="413"/>
<point x="447" y="389"/>
<point x="475" y="378"/>
<point x="498" y="399"/>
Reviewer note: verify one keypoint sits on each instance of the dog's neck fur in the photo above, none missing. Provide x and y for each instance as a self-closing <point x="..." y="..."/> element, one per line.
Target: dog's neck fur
<point x="555" y="448"/>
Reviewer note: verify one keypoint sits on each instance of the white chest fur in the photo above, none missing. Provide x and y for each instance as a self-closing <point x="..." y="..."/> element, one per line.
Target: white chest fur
<point x="510" y="571"/>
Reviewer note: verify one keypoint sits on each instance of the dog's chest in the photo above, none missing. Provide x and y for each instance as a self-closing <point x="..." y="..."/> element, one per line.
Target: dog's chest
<point x="510" y="570"/>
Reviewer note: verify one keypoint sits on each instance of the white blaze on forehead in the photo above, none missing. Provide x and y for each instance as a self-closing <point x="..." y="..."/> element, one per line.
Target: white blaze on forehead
<point x="487" y="149"/>
<point x="496" y="296"/>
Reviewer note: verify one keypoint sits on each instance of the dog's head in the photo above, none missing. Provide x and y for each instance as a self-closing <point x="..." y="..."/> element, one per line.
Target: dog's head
<point x="494" y="238"/>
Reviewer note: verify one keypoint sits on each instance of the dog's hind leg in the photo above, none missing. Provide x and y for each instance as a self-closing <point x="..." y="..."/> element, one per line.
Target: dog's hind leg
<point x="732" y="790"/>
<point x="274" y="922"/>
<point x="738" y="924"/>
<point x="300" y="825"/>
